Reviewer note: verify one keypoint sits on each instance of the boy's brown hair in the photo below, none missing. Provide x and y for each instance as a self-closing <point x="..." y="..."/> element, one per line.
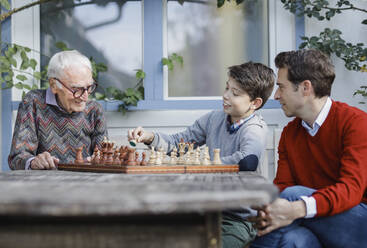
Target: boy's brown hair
<point x="256" y="79"/>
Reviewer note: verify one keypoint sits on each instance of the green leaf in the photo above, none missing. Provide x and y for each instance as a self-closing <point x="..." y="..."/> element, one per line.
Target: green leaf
<point x="4" y="61"/>
<point x="62" y="46"/>
<point x="129" y="91"/>
<point x="33" y="64"/>
<point x="220" y="3"/>
<point x="8" y="85"/>
<point x="165" y="61"/>
<point x="24" y="56"/>
<point x="26" y="86"/>
<point x="35" y="86"/>
<point x="99" y="96"/>
<point x="37" y="75"/>
<point x="140" y="74"/>
<point x="13" y="62"/>
<point x="23" y="94"/>
<point x="170" y="66"/>
<point x="5" y="4"/>
<point x="19" y="86"/>
<point x="8" y="78"/>
<point x="24" y="65"/>
<point x="21" y="77"/>
<point x="101" y="67"/>
<point x="27" y="49"/>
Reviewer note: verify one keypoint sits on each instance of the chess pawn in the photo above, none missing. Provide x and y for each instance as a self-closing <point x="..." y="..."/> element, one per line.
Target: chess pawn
<point x="97" y="157"/>
<point x="216" y="157"/>
<point x="152" y="157"/>
<point x="158" y="160"/>
<point x="137" y="158"/>
<point x="181" y="151"/>
<point x="109" y="153"/>
<point x="197" y="156"/>
<point x="173" y="156"/>
<point x="131" y="160"/>
<point x="162" y="154"/>
<point x="79" y="155"/>
<point x="94" y="154"/>
<point x="206" y="157"/>
<point x="188" y="158"/>
<point x="143" y="162"/>
<point x="126" y="152"/>
<point x="116" y="157"/>
<point x="122" y="155"/>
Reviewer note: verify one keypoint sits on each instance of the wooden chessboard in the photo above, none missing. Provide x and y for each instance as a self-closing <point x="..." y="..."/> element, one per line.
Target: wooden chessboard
<point x="149" y="169"/>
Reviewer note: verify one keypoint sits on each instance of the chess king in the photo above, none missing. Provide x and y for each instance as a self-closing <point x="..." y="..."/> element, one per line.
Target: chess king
<point x="51" y="124"/>
<point x="237" y="130"/>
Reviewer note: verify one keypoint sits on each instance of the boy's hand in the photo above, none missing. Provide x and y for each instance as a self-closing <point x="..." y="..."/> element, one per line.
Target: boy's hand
<point x="140" y="135"/>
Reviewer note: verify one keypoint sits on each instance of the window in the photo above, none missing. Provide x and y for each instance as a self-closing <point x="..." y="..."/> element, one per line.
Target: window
<point x="108" y="31"/>
<point x="211" y="39"/>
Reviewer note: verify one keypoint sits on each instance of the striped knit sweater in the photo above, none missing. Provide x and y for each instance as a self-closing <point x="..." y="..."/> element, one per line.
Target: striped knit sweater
<point x="44" y="127"/>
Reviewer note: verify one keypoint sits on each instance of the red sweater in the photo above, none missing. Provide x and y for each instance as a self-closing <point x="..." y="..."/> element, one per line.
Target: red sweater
<point x="334" y="161"/>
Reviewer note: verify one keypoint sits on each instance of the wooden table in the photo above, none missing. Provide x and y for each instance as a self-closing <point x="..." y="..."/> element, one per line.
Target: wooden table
<point x="75" y="209"/>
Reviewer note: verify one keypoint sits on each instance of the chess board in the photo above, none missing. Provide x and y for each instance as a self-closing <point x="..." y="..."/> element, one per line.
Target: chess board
<point x="149" y="169"/>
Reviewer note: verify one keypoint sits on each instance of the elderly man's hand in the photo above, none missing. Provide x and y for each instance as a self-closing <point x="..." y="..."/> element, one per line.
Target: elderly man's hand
<point x="44" y="161"/>
<point x="140" y="135"/>
<point x="277" y="214"/>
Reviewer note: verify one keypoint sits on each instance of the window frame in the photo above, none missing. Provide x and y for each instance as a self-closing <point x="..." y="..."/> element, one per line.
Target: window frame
<point x="155" y="32"/>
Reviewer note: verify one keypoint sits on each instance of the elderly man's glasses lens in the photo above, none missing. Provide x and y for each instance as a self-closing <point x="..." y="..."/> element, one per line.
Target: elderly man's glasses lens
<point x="79" y="91"/>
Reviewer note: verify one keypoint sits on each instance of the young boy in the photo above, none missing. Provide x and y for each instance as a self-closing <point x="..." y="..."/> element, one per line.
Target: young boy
<point x="237" y="131"/>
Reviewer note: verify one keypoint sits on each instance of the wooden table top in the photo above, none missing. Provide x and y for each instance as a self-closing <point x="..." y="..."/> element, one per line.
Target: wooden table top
<point x="65" y="193"/>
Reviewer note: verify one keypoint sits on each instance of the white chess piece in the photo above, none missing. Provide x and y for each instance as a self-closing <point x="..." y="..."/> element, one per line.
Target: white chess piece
<point x="197" y="156"/>
<point x="216" y="157"/>
<point x="158" y="160"/>
<point x="173" y="159"/>
<point x="152" y="157"/>
<point x="206" y="157"/>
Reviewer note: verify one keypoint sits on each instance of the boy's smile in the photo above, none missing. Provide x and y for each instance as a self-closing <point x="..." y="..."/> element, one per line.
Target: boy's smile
<point x="236" y="102"/>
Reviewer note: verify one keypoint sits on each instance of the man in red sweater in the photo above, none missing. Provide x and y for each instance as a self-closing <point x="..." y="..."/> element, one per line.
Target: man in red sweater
<point x="322" y="167"/>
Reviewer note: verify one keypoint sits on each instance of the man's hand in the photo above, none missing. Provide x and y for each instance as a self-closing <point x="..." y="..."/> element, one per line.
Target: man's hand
<point x="140" y="135"/>
<point x="44" y="161"/>
<point x="277" y="214"/>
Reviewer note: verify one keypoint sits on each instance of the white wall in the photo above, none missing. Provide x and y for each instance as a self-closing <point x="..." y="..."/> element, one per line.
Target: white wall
<point x="349" y="22"/>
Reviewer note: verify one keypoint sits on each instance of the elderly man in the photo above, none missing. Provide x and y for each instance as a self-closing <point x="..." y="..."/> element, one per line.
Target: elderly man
<point x="52" y="123"/>
<point x="322" y="167"/>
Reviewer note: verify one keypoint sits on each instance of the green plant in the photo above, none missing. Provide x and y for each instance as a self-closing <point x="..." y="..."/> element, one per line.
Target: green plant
<point x="27" y="68"/>
<point x="174" y="57"/>
<point x="220" y="3"/>
<point x="330" y="41"/>
<point x="130" y="96"/>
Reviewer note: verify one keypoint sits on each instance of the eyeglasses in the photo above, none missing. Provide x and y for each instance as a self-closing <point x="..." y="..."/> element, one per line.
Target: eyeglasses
<point x="79" y="91"/>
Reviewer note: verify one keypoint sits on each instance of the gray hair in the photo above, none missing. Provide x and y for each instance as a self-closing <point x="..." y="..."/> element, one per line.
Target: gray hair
<point x="64" y="59"/>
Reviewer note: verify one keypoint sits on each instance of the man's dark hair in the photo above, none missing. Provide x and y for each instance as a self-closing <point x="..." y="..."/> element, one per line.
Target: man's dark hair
<point x="254" y="78"/>
<point x="310" y="65"/>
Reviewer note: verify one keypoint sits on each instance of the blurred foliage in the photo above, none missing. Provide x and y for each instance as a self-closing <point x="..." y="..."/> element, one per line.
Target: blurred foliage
<point x="330" y="41"/>
<point x="26" y="71"/>
<point x="174" y="57"/>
